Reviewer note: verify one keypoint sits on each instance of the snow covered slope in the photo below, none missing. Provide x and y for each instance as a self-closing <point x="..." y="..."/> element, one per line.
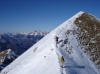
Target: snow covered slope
<point x="44" y="56"/>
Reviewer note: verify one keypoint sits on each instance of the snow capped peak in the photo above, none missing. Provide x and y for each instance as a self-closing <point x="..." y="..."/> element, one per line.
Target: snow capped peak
<point x="80" y="12"/>
<point x="70" y="40"/>
<point x="11" y="54"/>
<point x="6" y="57"/>
<point x="9" y="50"/>
<point x="72" y="19"/>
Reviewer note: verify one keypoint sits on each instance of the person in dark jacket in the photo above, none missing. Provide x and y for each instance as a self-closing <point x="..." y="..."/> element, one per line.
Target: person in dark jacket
<point x="57" y="39"/>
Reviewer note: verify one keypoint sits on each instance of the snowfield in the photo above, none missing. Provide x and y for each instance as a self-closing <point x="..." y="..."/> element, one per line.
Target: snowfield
<point x="44" y="56"/>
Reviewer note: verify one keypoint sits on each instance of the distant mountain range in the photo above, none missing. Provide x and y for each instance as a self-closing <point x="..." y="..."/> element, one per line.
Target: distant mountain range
<point x="14" y="44"/>
<point x="19" y="42"/>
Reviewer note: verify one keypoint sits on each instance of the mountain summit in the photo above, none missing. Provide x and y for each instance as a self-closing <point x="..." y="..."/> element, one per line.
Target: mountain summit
<point x="77" y="40"/>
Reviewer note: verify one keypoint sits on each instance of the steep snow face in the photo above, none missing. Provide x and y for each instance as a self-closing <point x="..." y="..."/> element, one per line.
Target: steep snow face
<point x="44" y="56"/>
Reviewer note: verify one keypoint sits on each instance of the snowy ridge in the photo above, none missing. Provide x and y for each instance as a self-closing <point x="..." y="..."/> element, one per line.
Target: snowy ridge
<point x="44" y="56"/>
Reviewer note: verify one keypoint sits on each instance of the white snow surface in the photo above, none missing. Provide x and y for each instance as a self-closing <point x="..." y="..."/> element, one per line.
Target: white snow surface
<point x="44" y="56"/>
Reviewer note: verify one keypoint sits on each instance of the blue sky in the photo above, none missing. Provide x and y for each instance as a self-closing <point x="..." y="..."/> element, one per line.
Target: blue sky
<point x="45" y="15"/>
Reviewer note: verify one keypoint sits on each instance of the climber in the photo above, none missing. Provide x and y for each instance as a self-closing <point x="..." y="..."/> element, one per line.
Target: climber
<point x="62" y="61"/>
<point x="56" y="38"/>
